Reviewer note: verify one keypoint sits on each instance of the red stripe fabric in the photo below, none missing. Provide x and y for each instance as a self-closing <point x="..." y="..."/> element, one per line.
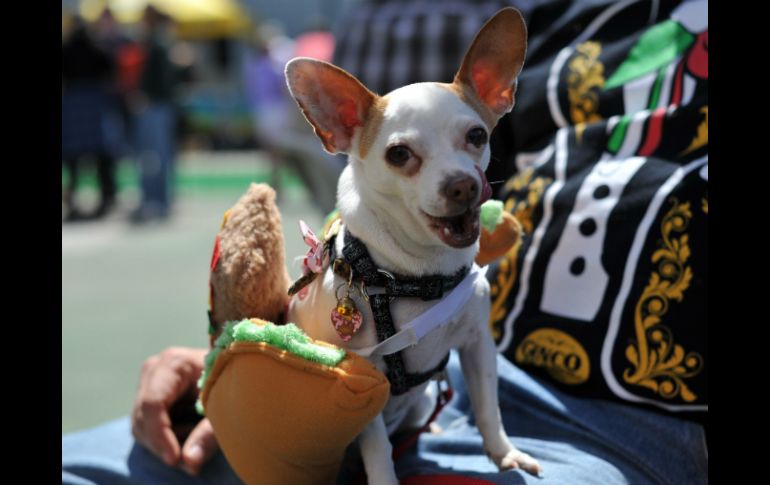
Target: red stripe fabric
<point x="676" y="97"/>
<point x="654" y="132"/>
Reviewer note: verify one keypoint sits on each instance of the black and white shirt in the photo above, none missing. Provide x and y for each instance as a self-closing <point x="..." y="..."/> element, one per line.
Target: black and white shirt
<point x="605" y="163"/>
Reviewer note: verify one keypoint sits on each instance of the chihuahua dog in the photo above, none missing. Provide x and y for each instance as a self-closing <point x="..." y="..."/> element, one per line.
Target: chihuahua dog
<point x="409" y="200"/>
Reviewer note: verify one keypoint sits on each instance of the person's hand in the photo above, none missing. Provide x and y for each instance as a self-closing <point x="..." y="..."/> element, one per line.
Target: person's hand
<point x="164" y="419"/>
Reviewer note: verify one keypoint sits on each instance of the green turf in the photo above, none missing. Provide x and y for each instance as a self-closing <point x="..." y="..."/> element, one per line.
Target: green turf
<point x="127" y="177"/>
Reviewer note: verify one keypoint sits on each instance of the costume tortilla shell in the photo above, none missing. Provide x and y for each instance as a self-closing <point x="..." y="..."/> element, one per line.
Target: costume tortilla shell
<point x="283" y="419"/>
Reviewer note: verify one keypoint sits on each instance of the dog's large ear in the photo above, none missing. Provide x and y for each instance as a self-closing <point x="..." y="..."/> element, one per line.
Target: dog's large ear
<point x="494" y="60"/>
<point x="332" y="100"/>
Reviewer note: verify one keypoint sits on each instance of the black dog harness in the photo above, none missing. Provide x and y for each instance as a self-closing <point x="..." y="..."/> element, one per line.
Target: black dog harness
<point x="356" y="258"/>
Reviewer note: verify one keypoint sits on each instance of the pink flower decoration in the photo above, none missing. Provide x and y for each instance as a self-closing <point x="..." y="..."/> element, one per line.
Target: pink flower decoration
<point x="314" y="258"/>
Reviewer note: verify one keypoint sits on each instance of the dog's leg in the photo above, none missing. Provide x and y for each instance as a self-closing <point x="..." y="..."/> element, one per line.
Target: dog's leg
<point x="376" y="451"/>
<point x="479" y="366"/>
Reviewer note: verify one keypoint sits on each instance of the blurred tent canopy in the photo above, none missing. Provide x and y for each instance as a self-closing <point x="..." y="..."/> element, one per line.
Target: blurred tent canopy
<point x="194" y="19"/>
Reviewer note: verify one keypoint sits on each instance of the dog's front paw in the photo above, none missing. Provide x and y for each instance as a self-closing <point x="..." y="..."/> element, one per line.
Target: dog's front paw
<point x="517" y="459"/>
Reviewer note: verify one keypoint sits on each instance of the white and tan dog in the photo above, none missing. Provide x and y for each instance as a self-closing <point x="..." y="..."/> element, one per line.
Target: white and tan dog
<point x="411" y="192"/>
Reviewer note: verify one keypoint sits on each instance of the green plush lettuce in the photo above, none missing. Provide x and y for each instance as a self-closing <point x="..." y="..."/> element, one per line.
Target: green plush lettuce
<point x="287" y="337"/>
<point x="491" y="214"/>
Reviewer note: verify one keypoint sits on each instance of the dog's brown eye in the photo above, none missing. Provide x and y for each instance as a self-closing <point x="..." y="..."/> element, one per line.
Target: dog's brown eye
<point x="476" y="137"/>
<point x="398" y="155"/>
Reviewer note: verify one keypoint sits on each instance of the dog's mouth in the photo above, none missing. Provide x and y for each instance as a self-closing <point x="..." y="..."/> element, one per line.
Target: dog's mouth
<point x="462" y="230"/>
<point x="458" y="231"/>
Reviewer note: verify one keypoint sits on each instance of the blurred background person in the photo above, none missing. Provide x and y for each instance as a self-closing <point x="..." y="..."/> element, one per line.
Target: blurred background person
<point x="126" y="57"/>
<point x="88" y="119"/>
<point x="153" y="107"/>
<point x="267" y="96"/>
<point x="318" y="170"/>
<point x="317" y="41"/>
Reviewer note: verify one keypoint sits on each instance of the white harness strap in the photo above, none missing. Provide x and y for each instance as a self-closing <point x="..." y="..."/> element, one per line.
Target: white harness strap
<point x="436" y="316"/>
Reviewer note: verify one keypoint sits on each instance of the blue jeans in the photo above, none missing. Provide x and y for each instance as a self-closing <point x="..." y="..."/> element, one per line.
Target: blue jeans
<point x="576" y="441"/>
<point x="155" y="151"/>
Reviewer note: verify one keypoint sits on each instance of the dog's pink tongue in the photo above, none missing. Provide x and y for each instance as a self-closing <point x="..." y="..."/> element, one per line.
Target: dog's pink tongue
<point x="486" y="189"/>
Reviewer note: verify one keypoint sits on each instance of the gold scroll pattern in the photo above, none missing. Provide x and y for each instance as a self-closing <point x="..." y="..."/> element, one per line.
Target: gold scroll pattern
<point x="507" y="270"/>
<point x="701" y="137"/>
<point x="657" y="363"/>
<point x="585" y="80"/>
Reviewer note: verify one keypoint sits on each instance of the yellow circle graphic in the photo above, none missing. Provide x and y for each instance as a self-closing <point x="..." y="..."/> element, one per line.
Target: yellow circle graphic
<point x="560" y="354"/>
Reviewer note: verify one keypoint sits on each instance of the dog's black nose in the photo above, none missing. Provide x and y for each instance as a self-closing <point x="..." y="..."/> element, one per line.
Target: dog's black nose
<point x="462" y="190"/>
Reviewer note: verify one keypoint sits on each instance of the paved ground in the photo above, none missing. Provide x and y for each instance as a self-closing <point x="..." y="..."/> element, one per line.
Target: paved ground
<point x="129" y="292"/>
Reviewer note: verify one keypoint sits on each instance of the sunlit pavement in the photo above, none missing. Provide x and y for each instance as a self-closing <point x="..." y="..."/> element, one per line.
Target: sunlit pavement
<point x="130" y="291"/>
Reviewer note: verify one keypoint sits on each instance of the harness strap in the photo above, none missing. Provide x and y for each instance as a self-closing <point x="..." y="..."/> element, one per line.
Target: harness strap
<point x="427" y="288"/>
